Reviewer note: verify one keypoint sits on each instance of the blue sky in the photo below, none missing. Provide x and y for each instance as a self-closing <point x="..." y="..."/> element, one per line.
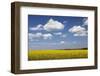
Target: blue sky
<point x="57" y="32"/>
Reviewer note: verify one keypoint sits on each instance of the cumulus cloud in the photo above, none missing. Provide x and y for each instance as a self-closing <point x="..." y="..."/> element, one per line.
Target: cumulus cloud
<point x="40" y="36"/>
<point x="64" y="35"/>
<point x="47" y="36"/>
<point x="78" y="31"/>
<point x="84" y="33"/>
<point x="38" y="27"/>
<point x="34" y="36"/>
<point x="62" y="42"/>
<point x="30" y="36"/>
<point x="53" y="25"/>
<point x="65" y="22"/>
<point x="85" y="22"/>
<point x="58" y="33"/>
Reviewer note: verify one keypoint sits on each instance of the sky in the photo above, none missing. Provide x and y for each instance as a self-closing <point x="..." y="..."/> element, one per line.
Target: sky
<point x="57" y="32"/>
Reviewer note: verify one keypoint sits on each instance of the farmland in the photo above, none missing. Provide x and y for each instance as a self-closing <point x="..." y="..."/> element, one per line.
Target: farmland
<point x="57" y="54"/>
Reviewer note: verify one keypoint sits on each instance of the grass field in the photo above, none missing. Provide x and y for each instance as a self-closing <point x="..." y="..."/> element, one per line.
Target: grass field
<point x="56" y="54"/>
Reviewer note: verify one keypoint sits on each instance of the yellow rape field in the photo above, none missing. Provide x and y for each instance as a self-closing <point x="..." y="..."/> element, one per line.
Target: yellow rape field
<point x="56" y="54"/>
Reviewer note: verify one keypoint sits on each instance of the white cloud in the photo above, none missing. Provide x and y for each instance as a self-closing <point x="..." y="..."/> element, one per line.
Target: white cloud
<point x="58" y="33"/>
<point x="30" y="36"/>
<point x="39" y="36"/>
<point x="78" y="31"/>
<point x="47" y="36"/>
<point x="83" y="33"/>
<point x="64" y="35"/>
<point x="62" y="42"/>
<point x="65" y="22"/>
<point x="38" y="27"/>
<point x="53" y="25"/>
<point x="85" y="22"/>
<point x="35" y="36"/>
